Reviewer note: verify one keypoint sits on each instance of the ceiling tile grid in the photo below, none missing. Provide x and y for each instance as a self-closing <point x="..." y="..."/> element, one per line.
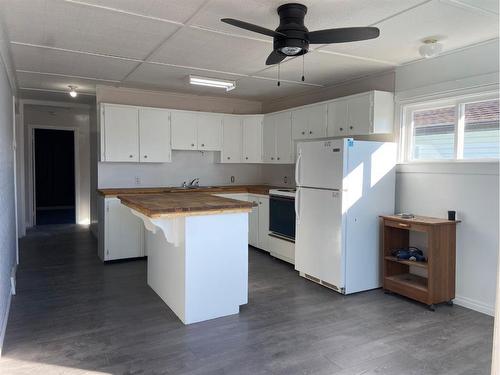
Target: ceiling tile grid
<point x="75" y="40"/>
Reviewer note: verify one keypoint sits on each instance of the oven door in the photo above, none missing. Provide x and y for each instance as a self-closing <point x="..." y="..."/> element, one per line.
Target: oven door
<point x="282" y="216"/>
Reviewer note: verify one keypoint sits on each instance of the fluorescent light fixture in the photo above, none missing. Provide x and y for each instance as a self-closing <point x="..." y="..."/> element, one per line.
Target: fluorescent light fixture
<point x="212" y="82"/>
<point x="72" y="91"/>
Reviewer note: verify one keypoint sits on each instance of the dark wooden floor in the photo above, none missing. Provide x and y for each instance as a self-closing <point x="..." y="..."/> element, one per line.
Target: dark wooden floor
<point x="74" y="315"/>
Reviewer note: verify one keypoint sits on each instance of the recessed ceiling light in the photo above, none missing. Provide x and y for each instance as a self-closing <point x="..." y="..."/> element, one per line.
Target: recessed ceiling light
<point x="72" y="91"/>
<point x="430" y="48"/>
<point x="212" y="82"/>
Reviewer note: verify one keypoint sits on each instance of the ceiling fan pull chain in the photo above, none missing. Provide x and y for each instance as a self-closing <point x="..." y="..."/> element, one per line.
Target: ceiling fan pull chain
<point x="303" y="75"/>
<point x="279" y="66"/>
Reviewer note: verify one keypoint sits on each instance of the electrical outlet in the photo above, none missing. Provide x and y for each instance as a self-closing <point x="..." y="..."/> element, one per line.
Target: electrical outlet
<point x="285" y="179"/>
<point x="232" y="179"/>
<point x="137" y="181"/>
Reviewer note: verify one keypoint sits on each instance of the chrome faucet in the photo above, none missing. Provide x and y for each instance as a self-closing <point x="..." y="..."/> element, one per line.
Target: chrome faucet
<point x="194" y="182"/>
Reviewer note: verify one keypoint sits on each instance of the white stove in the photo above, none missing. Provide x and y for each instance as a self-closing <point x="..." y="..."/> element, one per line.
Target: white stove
<point x="283" y="192"/>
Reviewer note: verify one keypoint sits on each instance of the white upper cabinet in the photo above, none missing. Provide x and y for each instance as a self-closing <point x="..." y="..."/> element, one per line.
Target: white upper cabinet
<point x="154" y="135"/>
<point x="269" y="139"/>
<point x="277" y="142"/>
<point x="119" y="133"/>
<point x="309" y="122"/>
<point x="231" y="139"/>
<point x="362" y="114"/>
<point x="196" y="131"/>
<point x="284" y="143"/>
<point x="184" y="129"/>
<point x="209" y="135"/>
<point x="252" y="139"/>
<point x="337" y="118"/>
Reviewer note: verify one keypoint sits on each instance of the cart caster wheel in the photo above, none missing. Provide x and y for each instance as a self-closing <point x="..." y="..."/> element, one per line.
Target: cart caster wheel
<point x="432" y="307"/>
<point x="450" y="303"/>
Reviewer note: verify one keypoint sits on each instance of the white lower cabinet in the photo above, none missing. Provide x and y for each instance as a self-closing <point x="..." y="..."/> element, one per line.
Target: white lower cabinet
<point x="121" y="233"/>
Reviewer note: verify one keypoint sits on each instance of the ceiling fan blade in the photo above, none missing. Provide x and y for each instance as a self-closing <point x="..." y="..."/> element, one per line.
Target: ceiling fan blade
<point x="252" y="27"/>
<point x="275" y="58"/>
<point x="342" y="35"/>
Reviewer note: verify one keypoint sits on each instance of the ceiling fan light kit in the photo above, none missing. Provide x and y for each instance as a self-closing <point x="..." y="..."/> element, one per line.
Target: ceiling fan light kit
<point x="292" y="38"/>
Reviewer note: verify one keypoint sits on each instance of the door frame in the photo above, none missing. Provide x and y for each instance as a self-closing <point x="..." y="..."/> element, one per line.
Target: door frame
<point x="31" y="183"/>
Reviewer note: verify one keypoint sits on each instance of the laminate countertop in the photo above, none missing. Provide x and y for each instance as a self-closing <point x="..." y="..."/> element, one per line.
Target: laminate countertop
<point x="168" y="204"/>
<point x="231" y="189"/>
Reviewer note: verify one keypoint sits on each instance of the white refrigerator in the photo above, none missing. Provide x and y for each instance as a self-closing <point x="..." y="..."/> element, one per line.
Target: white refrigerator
<point x="343" y="185"/>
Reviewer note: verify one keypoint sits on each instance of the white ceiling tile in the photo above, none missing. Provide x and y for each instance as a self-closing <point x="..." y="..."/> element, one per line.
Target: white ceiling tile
<point x="173" y="78"/>
<point x="173" y="10"/>
<point x="263" y="89"/>
<point x="197" y="48"/>
<point x="479" y="5"/>
<point x="321" y="13"/>
<point x="56" y="83"/>
<point x="73" y="26"/>
<point x="401" y="36"/>
<point x="325" y="68"/>
<point x="76" y="64"/>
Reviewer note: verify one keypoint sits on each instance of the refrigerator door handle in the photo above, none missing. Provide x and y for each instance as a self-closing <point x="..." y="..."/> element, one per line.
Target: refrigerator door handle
<point x="297" y="169"/>
<point x="297" y="204"/>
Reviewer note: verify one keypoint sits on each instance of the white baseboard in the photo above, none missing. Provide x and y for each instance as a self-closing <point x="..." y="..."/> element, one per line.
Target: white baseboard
<point x="475" y="305"/>
<point x="4" y="324"/>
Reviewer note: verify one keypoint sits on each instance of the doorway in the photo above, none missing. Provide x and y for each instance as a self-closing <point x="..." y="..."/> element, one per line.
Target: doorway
<point x="54" y="176"/>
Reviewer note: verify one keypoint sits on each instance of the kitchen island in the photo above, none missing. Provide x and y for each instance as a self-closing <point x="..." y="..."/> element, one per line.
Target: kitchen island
<point x="197" y="246"/>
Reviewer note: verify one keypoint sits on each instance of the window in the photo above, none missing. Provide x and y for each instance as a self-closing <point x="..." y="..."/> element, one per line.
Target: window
<point x="453" y="129"/>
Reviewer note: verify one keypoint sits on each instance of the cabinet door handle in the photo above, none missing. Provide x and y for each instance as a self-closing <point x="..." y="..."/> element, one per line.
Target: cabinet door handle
<point x="303" y="133"/>
<point x="404" y="225"/>
<point x="203" y="145"/>
<point x="131" y="156"/>
<point x="278" y="158"/>
<point x="229" y="157"/>
<point x="272" y="158"/>
<point x="341" y="129"/>
<point x="260" y="202"/>
<point x="145" y="156"/>
<point x="310" y="132"/>
<point x="192" y="144"/>
<point x="351" y="127"/>
<point x="246" y="158"/>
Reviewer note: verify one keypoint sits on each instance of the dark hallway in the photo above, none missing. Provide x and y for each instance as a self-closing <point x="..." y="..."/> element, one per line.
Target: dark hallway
<point x="54" y="165"/>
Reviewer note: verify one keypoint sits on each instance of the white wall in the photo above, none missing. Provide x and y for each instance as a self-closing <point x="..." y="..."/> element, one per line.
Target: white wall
<point x="472" y="189"/>
<point x="7" y="198"/>
<point x="185" y="166"/>
<point x="71" y="117"/>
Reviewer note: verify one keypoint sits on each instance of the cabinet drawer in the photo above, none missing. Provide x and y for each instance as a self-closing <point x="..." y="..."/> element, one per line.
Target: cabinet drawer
<point x="408" y="226"/>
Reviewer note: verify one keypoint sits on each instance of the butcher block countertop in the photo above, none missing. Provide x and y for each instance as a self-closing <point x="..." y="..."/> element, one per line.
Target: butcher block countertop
<point x="166" y="205"/>
<point x="231" y="189"/>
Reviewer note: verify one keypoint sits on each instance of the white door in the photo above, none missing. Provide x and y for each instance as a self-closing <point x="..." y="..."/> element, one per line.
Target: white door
<point x="184" y="126"/>
<point x="320" y="164"/>
<point x="284" y="143"/>
<point x="231" y="140"/>
<point x="360" y="114"/>
<point x="253" y="223"/>
<point x="337" y="118"/>
<point x="269" y="139"/>
<point x="209" y="132"/>
<point x="252" y="139"/>
<point x="124" y="233"/>
<point x="316" y="126"/>
<point x="154" y="135"/>
<point x="121" y="132"/>
<point x="318" y="242"/>
<point x="263" y="235"/>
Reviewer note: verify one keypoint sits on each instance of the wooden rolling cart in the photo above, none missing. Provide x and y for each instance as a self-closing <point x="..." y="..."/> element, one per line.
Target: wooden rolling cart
<point x="439" y="285"/>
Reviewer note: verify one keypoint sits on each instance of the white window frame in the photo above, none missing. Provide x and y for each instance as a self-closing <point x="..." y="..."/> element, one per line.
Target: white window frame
<point x="406" y="139"/>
